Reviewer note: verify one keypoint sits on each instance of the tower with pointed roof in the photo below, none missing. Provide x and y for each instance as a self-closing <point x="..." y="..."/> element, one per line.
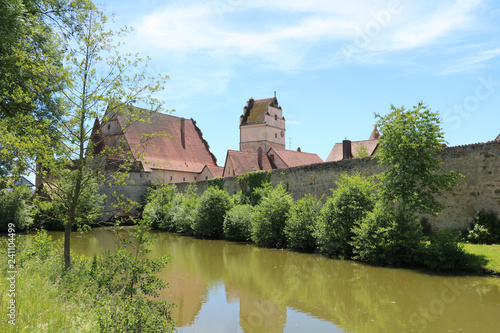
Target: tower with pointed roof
<point x="262" y="125"/>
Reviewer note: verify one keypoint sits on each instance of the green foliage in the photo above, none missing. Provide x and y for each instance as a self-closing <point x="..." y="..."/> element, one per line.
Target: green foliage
<point x="301" y="222"/>
<point x="112" y="292"/>
<point x="270" y="218"/>
<point x="408" y="146"/>
<point x="158" y="209"/>
<point x="210" y="211"/>
<point x="217" y="182"/>
<point x="239" y="198"/>
<point x="47" y="214"/>
<point x="251" y="181"/>
<point x="388" y="235"/>
<point x="14" y="209"/>
<point x="350" y="202"/>
<point x="485" y="228"/>
<point x="238" y="223"/>
<point x="361" y="151"/>
<point x="127" y="286"/>
<point x="443" y="252"/>
<point x="184" y="210"/>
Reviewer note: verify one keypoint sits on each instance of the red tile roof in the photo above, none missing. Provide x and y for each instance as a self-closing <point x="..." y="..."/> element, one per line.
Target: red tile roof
<point x="243" y="162"/>
<point x="216" y="171"/>
<point x="159" y="143"/>
<point x="292" y="158"/>
<point x="337" y="154"/>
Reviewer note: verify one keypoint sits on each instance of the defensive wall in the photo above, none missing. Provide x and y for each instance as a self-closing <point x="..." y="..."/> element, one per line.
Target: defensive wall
<point x="479" y="189"/>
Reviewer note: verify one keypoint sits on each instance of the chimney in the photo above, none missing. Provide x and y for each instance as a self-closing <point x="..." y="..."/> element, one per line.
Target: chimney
<point x="346" y="150"/>
<point x="259" y="153"/>
<point x="183" y="133"/>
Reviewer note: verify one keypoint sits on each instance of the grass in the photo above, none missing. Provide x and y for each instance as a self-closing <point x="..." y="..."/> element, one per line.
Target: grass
<point x="39" y="307"/>
<point x="484" y="257"/>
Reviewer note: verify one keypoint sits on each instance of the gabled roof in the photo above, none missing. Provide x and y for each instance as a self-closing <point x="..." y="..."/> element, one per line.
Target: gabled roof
<point x="337" y="152"/>
<point x="292" y="158"/>
<point x="256" y="110"/>
<point x="498" y="138"/>
<point x="216" y="171"/>
<point x="167" y="142"/>
<point x="243" y="162"/>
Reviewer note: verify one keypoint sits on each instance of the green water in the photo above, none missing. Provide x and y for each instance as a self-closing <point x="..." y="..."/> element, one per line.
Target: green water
<point x="223" y="286"/>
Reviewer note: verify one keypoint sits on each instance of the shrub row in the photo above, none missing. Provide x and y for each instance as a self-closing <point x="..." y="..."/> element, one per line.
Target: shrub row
<point x="351" y="223"/>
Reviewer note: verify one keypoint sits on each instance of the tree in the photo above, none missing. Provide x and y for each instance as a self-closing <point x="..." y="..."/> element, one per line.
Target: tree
<point x="31" y="77"/>
<point x="408" y="146"/>
<point x="101" y="83"/>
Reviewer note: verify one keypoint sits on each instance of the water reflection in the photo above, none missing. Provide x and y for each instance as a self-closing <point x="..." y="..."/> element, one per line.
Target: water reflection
<point x="229" y="287"/>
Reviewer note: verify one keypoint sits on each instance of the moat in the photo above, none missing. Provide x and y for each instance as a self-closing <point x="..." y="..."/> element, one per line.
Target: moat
<point x="222" y="286"/>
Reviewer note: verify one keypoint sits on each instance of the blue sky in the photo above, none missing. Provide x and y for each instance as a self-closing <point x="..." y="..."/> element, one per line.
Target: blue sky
<point x="332" y="63"/>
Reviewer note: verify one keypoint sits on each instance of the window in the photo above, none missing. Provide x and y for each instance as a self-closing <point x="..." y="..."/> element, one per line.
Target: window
<point x="275" y="117"/>
<point x="206" y="178"/>
<point x="183" y="179"/>
<point x="109" y="126"/>
<point x="194" y="178"/>
<point x="275" y="135"/>
<point x="170" y="178"/>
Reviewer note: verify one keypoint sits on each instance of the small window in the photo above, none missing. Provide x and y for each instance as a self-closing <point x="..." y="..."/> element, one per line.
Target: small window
<point x="275" y="117"/>
<point x="194" y="178"/>
<point x="170" y="178"/>
<point x="275" y="135"/>
<point x="206" y="178"/>
<point x="183" y="179"/>
<point x="109" y="126"/>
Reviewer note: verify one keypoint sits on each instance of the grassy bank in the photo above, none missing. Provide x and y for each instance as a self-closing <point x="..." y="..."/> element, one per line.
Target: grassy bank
<point x="112" y="292"/>
<point x="486" y="257"/>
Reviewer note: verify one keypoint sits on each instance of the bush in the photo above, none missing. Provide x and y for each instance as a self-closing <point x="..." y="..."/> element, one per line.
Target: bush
<point x="388" y="235"/>
<point x="485" y="228"/>
<point x="351" y="201"/>
<point x="47" y="214"/>
<point x="184" y="210"/>
<point x="158" y="210"/>
<point x="270" y="218"/>
<point x="14" y="209"/>
<point x="443" y="252"/>
<point x="238" y="223"/>
<point x="210" y="211"/>
<point x="300" y="223"/>
<point x="239" y="198"/>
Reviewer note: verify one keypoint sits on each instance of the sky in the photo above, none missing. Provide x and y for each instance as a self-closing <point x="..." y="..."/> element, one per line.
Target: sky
<point x="333" y="64"/>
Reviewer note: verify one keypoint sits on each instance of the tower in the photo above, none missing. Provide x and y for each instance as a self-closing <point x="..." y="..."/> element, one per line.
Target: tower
<point x="262" y="125"/>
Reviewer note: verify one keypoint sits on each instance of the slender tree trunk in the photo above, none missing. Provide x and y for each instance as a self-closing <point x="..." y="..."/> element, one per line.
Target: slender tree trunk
<point x="67" y="238"/>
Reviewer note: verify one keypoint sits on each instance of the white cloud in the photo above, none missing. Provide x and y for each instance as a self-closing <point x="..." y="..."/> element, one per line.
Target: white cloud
<point x="293" y="35"/>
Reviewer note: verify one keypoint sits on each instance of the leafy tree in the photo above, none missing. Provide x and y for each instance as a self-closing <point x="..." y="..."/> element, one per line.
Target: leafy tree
<point x="270" y="217"/>
<point x="158" y="210"/>
<point x="408" y="146"/>
<point x="14" y="209"/>
<point x="212" y="207"/>
<point x="102" y="82"/>
<point x="32" y="76"/>
<point x="361" y="151"/>
<point x="238" y="223"/>
<point x="301" y="222"/>
<point x="350" y="202"/>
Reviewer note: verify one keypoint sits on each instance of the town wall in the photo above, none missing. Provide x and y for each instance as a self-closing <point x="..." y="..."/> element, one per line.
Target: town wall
<point x="479" y="189"/>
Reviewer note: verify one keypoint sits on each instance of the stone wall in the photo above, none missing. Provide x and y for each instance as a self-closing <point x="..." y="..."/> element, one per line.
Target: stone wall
<point x="480" y="187"/>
